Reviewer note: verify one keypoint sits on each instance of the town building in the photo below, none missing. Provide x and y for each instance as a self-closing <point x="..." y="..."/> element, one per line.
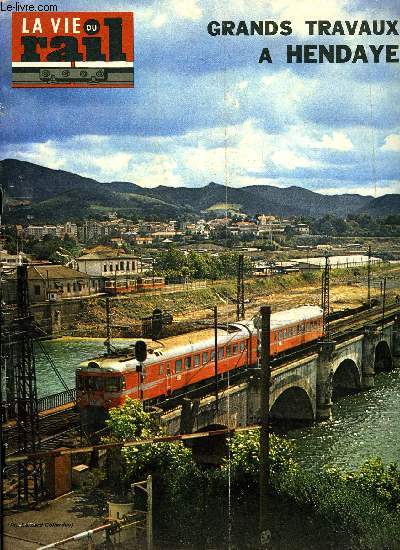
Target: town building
<point x="38" y="232"/>
<point x="351" y="260"/>
<point x="109" y="264"/>
<point x="53" y="282"/>
<point x="11" y="261"/>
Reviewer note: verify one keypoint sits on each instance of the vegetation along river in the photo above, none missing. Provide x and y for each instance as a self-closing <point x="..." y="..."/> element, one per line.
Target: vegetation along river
<point x="364" y="425"/>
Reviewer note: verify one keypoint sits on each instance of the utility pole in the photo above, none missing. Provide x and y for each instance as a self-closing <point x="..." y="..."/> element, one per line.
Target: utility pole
<point x="369" y="276"/>
<point x="149" y="515"/>
<point x="240" y="289"/>
<point x="383" y="302"/>
<point x="107" y="343"/>
<point x="216" y="357"/>
<point x="325" y="297"/>
<point x="147" y="487"/>
<point x="265" y="431"/>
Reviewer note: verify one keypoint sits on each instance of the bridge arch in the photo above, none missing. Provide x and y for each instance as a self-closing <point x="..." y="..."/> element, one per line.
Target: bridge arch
<point x="293" y="403"/>
<point x="383" y="357"/>
<point x="346" y="379"/>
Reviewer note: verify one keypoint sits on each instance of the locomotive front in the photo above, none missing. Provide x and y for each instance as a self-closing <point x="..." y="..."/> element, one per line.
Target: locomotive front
<point x="101" y="385"/>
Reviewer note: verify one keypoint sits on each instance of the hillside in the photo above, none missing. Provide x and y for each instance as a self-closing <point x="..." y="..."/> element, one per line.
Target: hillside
<point x="45" y="195"/>
<point x="382" y="206"/>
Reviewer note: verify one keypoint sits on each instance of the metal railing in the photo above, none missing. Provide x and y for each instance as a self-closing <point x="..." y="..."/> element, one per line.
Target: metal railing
<point x="56" y="400"/>
<point x="44" y="403"/>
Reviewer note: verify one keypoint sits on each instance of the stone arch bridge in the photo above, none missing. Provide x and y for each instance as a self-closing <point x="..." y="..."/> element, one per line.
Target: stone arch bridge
<point x="301" y="390"/>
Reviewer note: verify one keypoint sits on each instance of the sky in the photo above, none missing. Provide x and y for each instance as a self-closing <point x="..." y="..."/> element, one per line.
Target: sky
<point x="203" y="109"/>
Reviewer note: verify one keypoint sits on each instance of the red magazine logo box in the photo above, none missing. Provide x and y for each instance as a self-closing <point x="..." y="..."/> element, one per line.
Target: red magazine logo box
<point x="67" y="50"/>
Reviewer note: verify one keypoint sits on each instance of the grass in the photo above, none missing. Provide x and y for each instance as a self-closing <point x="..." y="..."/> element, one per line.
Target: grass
<point x="223" y="206"/>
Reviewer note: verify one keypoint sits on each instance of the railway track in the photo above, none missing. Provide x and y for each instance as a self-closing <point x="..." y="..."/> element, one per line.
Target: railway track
<point x="50" y="427"/>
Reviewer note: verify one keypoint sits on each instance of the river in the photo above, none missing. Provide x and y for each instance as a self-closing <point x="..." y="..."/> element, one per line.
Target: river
<point x="364" y="425"/>
<point x="66" y="355"/>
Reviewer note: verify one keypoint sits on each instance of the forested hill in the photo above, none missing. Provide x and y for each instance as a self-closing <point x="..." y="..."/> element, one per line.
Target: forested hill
<point x="47" y="195"/>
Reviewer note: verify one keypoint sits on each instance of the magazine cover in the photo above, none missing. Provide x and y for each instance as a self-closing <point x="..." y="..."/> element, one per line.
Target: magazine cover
<point x="199" y="275"/>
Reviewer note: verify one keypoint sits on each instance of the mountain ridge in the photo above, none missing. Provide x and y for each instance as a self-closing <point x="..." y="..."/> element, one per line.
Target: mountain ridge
<point x="49" y="195"/>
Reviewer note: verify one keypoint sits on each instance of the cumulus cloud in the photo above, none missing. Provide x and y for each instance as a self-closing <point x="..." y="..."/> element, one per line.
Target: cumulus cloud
<point x="290" y="160"/>
<point x="392" y="143"/>
<point x="337" y="140"/>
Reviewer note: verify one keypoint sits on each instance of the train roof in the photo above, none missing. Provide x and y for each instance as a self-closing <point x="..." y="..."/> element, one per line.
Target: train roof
<point x="295" y="315"/>
<point x="192" y="342"/>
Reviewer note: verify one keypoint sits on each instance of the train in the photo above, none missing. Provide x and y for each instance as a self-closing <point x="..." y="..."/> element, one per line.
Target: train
<point x="180" y="363"/>
<point x="140" y="284"/>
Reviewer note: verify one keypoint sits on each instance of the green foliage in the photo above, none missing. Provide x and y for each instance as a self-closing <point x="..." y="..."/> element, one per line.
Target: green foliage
<point x="375" y="479"/>
<point x="175" y="264"/>
<point x="363" y="503"/>
<point x="130" y="422"/>
<point x="345" y="507"/>
<point x="54" y="249"/>
<point x="244" y="459"/>
<point x="356" y="224"/>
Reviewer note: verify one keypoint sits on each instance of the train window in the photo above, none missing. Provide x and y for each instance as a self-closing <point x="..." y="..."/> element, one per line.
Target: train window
<point x="178" y="365"/>
<point x="112" y="384"/>
<point x="188" y="362"/>
<point x="94" y="383"/>
<point x="280" y="335"/>
<point x="168" y="369"/>
<point x="220" y="353"/>
<point x="212" y="356"/>
<point x="228" y="351"/>
<point x="205" y="357"/>
<point x="197" y="360"/>
<point x="284" y="334"/>
<point x="235" y="349"/>
<point x="242" y="346"/>
<point x="161" y="370"/>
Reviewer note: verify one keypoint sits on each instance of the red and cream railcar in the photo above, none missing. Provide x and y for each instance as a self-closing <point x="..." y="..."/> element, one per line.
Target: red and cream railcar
<point x="141" y="284"/>
<point x="148" y="283"/>
<point x="177" y="363"/>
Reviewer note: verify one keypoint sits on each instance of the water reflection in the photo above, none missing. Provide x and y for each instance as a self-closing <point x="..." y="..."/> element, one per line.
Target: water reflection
<point x="363" y="425"/>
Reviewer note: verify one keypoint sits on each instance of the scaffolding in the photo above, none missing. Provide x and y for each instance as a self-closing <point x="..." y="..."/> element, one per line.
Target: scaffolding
<point x="30" y="472"/>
